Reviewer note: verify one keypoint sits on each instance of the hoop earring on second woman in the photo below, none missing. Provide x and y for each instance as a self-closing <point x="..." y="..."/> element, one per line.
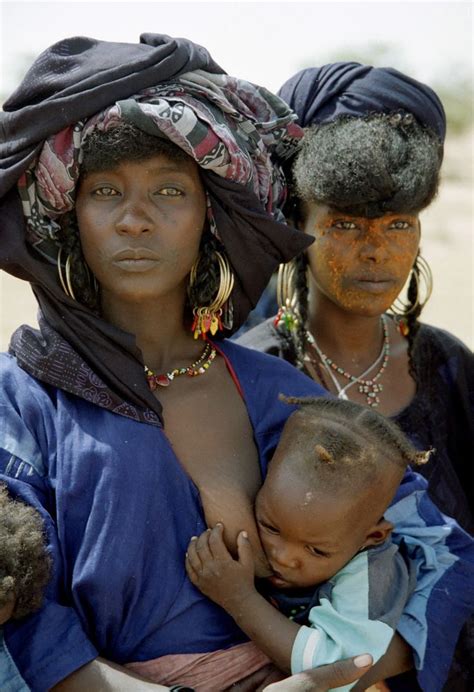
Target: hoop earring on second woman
<point x="421" y="272"/>
<point x="208" y="318"/>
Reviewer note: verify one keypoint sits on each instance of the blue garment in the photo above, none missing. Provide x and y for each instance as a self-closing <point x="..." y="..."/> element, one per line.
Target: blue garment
<point x="357" y="610"/>
<point x="120" y="510"/>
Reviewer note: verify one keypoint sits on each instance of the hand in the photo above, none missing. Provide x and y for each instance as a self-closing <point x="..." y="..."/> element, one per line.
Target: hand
<point x="213" y="570"/>
<point x="325" y="677"/>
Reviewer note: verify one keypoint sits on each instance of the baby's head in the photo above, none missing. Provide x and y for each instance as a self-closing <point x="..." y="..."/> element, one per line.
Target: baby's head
<point x="334" y="473"/>
<point x="25" y="566"/>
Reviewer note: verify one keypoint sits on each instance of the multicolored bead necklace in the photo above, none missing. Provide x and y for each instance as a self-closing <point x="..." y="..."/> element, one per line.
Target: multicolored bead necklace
<point x="199" y="367"/>
<point x="371" y="388"/>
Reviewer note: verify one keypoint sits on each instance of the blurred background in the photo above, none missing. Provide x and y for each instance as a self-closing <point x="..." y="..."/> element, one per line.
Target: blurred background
<point x="266" y="42"/>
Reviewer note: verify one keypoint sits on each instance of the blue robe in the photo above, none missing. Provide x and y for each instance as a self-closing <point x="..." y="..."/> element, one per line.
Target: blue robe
<point x="120" y="510"/>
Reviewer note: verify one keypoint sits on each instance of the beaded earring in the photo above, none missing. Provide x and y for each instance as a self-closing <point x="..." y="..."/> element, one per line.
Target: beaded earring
<point x="208" y="318"/>
<point x="288" y="316"/>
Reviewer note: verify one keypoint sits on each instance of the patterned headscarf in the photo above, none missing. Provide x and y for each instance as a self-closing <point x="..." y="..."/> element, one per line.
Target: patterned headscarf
<point x="322" y="94"/>
<point x="230" y="127"/>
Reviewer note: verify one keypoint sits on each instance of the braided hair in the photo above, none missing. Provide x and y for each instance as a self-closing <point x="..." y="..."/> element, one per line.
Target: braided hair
<point x="346" y="442"/>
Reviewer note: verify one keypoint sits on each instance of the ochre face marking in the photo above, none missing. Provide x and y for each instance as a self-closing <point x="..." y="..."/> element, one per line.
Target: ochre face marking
<point x="361" y="264"/>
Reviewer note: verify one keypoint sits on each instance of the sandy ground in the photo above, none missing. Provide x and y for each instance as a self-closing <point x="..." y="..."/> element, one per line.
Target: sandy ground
<point x="447" y="244"/>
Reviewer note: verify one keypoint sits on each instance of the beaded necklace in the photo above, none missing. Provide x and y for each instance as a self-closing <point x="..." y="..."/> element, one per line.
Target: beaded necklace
<point x="199" y="367"/>
<point x="371" y="388"/>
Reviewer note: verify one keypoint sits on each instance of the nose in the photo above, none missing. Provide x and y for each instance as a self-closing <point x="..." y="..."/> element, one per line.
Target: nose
<point x="374" y="246"/>
<point x="134" y="218"/>
<point x="283" y="556"/>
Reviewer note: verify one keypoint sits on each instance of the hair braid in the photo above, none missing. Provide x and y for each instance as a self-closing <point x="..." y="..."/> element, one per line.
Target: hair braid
<point x="302" y="289"/>
<point x="206" y="283"/>
<point x="82" y="280"/>
<point x="293" y="339"/>
<point x="412" y="313"/>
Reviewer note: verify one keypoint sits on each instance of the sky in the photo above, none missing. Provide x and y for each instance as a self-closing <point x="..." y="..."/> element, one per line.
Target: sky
<point x="263" y="42"/>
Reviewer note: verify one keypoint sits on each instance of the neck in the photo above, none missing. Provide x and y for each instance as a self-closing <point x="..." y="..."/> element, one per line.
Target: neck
<point x="347" y="338"/>
<point x="158" y="327"/>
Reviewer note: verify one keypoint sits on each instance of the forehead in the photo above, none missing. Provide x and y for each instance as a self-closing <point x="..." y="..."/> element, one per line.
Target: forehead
<point x="317" y="211"/>
<point x="152" y="165"/>
<point x="304" y="511"/>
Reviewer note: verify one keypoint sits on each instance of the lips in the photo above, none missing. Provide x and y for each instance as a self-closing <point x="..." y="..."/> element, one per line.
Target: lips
<point x="135" y="259"/>
<point x="277" y="579"/>
<point x="138" y="254"/>
<point x="373" y="284"/>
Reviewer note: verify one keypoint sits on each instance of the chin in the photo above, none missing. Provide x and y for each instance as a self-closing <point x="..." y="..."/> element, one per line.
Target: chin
<point x="374" y="308"/>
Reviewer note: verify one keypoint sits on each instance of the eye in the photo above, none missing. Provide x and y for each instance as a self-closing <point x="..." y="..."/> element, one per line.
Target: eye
<point x="105" y="191"/>
<point x="345" y="225"/>
<point x="315" y="551"/>
<point x="400" y="225"/>
<point x="268" y="527"/>
<point x="170" y="192"/>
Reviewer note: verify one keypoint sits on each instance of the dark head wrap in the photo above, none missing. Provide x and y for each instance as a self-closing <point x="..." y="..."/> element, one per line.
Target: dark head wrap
<point x="322" y="94"/>
<point x="175" y="88"/>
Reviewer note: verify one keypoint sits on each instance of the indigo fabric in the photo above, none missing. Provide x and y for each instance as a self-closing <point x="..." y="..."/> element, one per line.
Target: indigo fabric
<point x="322" y="94"/>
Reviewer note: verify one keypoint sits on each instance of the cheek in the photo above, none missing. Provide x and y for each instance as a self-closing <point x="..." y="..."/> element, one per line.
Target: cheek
<point x="404" y="255"/>
<point x="329" y="263"/>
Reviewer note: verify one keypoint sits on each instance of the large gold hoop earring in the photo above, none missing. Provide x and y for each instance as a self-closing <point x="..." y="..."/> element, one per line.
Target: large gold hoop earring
<point x="208" y="318"/>
<point x="288" y="316"/>
<point x="421" y="271"/>
<point x="65" y="280"/>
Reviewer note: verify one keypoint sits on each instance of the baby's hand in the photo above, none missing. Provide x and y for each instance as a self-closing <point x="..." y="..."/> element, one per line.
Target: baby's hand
<point x="213" y="570"/>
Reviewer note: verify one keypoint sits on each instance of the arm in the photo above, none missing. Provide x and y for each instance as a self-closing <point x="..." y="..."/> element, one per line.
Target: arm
<point x="103" y="676"/>
<point x="230" y="583"/>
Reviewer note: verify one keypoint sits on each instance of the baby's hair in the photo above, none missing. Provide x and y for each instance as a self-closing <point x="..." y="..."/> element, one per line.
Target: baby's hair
<point x="25" y="567"/>
<point x="348" y="442"/>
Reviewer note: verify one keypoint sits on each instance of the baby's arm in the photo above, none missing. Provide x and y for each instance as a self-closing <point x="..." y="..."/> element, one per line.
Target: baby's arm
<point x="230" y="584"/>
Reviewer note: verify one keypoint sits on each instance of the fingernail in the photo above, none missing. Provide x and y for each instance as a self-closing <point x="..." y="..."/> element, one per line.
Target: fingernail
<point x="244" y="534"/>
<point x="219" y="524"/>
<point x="193" y="538"/>
<point x="362" y="661"/>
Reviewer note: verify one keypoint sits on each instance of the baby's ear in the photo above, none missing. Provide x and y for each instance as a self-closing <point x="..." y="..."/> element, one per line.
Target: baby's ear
<point x="378" y="533"/>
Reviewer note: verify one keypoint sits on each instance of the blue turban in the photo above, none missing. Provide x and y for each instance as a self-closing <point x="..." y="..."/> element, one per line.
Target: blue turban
<point x="322" y="94"/>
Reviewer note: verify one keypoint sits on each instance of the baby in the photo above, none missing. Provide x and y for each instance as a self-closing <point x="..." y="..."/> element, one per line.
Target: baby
<point x="24" y="563"/>
<point x="339" y="584"/>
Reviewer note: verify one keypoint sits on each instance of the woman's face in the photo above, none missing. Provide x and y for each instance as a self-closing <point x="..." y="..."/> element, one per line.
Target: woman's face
<point x="360" y="264"/>
<point x="140" y="226"/>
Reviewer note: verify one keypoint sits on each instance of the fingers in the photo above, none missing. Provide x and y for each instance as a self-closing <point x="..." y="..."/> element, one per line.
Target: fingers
<point x="245" y="551"/>
<point x="205" y="549"/>
<point x="216" y="543"/>
<point x="193" y="561"/>
<point x="325" y="677"/>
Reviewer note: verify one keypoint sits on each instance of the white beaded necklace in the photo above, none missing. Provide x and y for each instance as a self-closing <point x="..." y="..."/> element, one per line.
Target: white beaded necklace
<point x="370" y="387"/>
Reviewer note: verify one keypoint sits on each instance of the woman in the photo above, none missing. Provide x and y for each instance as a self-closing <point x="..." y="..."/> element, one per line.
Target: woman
<point x="142" y="170"/>
<point x="369" y="163"/>
<point x="148" y="180"/>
